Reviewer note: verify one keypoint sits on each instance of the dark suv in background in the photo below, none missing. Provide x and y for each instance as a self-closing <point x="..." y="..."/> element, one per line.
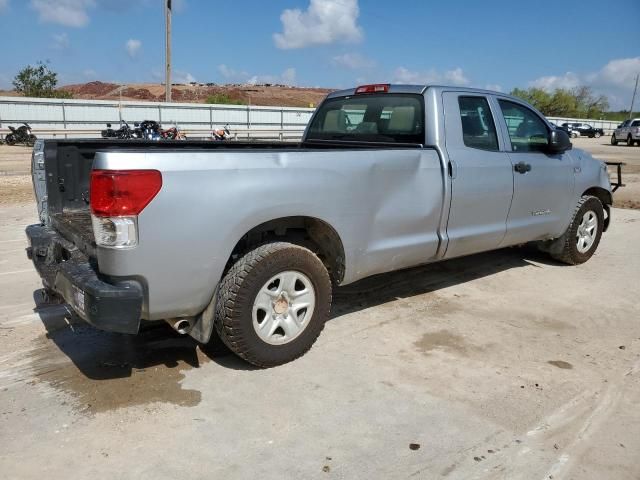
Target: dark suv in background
<point x="584" y="130"/>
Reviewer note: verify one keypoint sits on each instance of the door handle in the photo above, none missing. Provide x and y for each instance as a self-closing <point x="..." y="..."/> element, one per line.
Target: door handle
<point x="522" y="167"/>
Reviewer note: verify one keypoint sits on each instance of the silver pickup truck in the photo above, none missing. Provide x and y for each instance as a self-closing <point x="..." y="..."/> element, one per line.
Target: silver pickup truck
<point x="249" y="239"/>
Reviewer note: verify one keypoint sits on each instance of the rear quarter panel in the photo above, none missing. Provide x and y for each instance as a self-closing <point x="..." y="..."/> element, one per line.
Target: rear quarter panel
<point x="384" y="204"/>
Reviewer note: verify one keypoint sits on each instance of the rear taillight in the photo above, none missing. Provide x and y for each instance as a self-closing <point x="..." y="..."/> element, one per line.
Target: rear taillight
<point x="119" y="193"/>
<point x="378" y="88"/>
<point x="116" y="199"/>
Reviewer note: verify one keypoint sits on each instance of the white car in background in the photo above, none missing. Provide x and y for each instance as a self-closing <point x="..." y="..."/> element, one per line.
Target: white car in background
<point x="628" y="131"/>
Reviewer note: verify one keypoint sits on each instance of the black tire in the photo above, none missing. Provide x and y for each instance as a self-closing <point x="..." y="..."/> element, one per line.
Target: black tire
<point x="629" y="141"/>
<point x="239" y="289"/>
<point x="10" y="139"/>
<point x="568" y="251"/>
<point x="597" y="135"/>
<point x="31" y="140"/>
<point x="614" y="140"/>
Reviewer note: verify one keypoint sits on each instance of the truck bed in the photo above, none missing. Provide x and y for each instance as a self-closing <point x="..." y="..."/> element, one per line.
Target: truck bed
<point x="68" y="165"/>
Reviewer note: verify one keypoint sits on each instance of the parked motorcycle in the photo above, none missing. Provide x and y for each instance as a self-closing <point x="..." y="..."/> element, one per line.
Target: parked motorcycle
<point x="109" y="132"/>
<point x="125" y="132"/>
<point x="173" y="133"/>
<point x="221" y="134"/>
<point x="21" y="134"/>
<point x="150" y="130"/>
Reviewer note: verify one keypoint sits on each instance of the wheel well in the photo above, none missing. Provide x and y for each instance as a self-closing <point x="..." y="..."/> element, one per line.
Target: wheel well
<point x="607" y="200"/>
<point x="310" y="232"/>
<point x="603" y="195"/>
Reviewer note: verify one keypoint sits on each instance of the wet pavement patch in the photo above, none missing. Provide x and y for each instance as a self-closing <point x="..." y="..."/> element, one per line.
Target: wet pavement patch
<point x="444" y="340"/>
<point x="105" y="371"/>
<point x="560" y="364"/>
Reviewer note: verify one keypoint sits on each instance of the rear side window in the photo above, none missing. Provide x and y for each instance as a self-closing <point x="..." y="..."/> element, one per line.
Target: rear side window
<point x="390" y="118"/>
<point x="478" y="129"/>
<point x="527" y="131"/>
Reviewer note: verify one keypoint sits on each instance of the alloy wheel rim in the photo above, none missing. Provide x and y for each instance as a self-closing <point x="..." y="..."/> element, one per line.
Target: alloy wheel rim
<point x="283" y="307"/>
<point x="587" y="231"/>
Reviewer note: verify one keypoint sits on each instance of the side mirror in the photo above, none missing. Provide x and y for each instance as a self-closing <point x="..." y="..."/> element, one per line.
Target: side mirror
<point x="559" y="142"/>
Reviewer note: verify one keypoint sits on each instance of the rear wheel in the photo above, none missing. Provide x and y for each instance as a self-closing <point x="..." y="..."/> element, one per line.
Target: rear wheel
<point x="614" y="140"/>
<point x="629" y="141"/>
<point x="597" y="134"/>
<point x="580" y="241"/>
<point x="273" y="303"/>
<point x="10" y="139"/>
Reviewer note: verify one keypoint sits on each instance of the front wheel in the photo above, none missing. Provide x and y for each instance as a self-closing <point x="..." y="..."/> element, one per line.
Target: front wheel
<point x="597" y="135"/>
<point x="574" y="135"/>
<point x="273" y="303"/>
<point x="629" y="141"/>
<point x="614" y="140"/>
<point x="580" y="241"/>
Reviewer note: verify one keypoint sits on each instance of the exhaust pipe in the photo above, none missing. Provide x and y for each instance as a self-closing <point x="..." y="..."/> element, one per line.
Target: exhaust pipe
<point x="180" y="325"/>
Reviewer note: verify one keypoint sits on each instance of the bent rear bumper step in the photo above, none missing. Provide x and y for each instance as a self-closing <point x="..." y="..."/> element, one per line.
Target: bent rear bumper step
<point x="68" y="272"/>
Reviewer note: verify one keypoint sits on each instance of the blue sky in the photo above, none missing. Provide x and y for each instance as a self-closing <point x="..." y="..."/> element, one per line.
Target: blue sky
<point x="333" y="43"/>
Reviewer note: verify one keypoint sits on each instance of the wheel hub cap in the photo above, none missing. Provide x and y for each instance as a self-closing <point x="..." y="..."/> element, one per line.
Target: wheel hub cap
<point x="587" y="231"/>
<point x="283" y="307"/>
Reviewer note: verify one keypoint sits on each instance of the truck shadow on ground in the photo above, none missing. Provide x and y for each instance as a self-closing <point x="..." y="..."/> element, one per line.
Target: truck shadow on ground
<point x="128" y="369"/>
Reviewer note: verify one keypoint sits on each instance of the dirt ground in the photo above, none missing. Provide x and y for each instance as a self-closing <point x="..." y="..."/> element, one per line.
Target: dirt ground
<point x="503" y="365"/>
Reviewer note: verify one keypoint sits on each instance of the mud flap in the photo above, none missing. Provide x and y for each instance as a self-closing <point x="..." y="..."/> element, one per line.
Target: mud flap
<point x="203" y="327"/>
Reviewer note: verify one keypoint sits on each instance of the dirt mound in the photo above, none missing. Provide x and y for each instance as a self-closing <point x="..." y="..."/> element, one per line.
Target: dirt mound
<point x="261" y="95"/>
<point x="91" y="89"/>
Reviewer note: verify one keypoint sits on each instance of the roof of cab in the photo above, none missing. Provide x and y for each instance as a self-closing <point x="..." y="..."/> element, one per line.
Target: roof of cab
<point x="415" y="89"/>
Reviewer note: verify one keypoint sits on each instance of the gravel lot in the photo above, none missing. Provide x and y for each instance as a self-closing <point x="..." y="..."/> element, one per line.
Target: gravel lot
<point x="502" y="365"/>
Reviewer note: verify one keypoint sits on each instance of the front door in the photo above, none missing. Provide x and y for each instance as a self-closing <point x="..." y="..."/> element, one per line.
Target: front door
<point x="481" y="175"/>
<point x="543" y="183"/>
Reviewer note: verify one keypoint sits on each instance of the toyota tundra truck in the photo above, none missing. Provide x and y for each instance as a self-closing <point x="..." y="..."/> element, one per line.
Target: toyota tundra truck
<point x="248" y="240"/>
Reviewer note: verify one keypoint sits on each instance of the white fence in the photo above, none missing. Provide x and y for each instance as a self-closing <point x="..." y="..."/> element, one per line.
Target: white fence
<point x="46" y="116"/>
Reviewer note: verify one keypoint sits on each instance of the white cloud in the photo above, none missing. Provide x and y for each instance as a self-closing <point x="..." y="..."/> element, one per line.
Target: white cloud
<point x="133" y="47"/>
<point x="451" y="77"/>
<point x="60" y="41"/>
<point x="179" y="76"/>
<point x="568" y="80"/>
<point x="324" y="22"/>
<point x="70" y="13"/>
<point x="615" y="80"/>
<point x="4" y="5"/>
<point x="353" y="61"/>
<point x="231" y="75"/>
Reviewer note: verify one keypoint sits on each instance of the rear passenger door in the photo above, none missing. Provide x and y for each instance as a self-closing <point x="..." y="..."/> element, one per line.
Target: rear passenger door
<point x="543" y="183"/>
<point x="481" y="174"/>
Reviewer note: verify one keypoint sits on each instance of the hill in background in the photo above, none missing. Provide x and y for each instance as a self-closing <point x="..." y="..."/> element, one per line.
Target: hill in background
<point x="262" y="95"/>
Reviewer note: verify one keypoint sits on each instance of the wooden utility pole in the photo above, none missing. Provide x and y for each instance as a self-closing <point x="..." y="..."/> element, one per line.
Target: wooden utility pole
<point x="633" y="99"/>
<point x="167" y="44"/>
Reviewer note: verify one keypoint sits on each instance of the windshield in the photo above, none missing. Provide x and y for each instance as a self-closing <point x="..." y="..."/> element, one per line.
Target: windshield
<point x="390" y="118"/>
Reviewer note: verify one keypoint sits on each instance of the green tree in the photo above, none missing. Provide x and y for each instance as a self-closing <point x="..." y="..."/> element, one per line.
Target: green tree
<point x="579" y="102"/>
<point x="38" y="81"/>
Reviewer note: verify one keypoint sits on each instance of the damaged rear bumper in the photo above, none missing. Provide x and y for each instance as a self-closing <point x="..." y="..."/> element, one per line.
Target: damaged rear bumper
<point x="71" y="274"/>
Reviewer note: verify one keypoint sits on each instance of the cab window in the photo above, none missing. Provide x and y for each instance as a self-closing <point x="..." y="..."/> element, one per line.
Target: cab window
<point x="478" y="129"/>
<point x="527" y="131"/>
<point x="390" y="118"/>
